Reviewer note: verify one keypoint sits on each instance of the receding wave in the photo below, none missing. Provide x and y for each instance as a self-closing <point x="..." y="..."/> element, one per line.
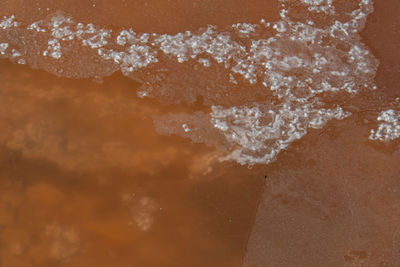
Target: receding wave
<point x="265" y="84"/>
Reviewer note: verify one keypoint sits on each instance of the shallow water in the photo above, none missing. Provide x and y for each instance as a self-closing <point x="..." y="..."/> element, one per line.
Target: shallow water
<point x="103" y="165"/>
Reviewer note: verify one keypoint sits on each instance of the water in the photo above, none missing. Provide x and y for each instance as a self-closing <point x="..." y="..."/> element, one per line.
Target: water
<point x="290" y="67"/>
<point x="95" y="100"/>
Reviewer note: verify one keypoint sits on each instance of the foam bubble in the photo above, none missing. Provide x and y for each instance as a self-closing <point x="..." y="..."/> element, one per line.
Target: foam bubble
<point x="8" y="22"/>
<point x="389" y="127"/>
<point x="3" y="48"/>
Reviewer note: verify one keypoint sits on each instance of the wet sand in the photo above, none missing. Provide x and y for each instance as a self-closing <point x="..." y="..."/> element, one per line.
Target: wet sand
<point x="333" y="200"/>
<point x="85" y="180"/>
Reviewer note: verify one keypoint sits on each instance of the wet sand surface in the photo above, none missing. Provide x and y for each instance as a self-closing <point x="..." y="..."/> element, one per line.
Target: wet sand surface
<point x="85" y="180"/>
<point x="334" y="200"/>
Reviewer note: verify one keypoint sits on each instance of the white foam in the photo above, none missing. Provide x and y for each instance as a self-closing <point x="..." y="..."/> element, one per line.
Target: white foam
<point x="260" y="134"/>
<point x="320" y="6"/>
<point x="292" y="65"/>
<point x="8" y="22"/>
<point x="185" y="127"/>
<point x="3" y="48"/>
<point x="53" y="50"/>
<point x="389" y="127"/>
<point x="35" y="27"/>
<point x="244" y="29"/>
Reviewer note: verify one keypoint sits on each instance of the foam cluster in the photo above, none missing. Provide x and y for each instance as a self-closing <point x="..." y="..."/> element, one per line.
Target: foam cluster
<point x="259" y="134"/>
<point x="265" y="83"/>
<point x="389" y="127"/>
